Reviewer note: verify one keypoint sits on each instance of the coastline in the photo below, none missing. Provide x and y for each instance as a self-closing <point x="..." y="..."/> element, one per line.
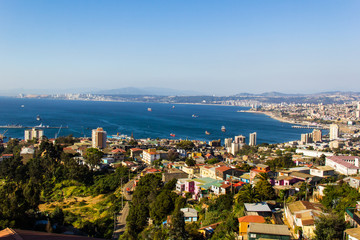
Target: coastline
<point x="271" y="115"/>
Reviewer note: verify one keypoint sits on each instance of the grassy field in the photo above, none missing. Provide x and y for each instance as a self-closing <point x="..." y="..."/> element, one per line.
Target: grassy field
<point x="79" y="206"/>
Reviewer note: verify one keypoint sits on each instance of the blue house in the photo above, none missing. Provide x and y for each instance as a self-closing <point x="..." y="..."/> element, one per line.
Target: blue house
<point x="190" y="214"/>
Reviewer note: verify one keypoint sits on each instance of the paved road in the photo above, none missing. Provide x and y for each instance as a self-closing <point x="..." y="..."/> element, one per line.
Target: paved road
<point x="121" y="217"/>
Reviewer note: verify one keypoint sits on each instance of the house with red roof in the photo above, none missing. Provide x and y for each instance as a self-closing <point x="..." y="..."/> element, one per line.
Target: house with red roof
<point x="260" y="168"/>
<point x="6" y="156"/>
<point x="224" y="172"/>
<point x="135" y="153"/>
<point x="244" y="223"/>
<point x="118" y="154"/>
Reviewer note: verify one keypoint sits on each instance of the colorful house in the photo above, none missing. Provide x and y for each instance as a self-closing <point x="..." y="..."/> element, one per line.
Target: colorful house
<point x="260" y="168"/>
<point x="190" y="214"/>
<point x="244" y="222"/>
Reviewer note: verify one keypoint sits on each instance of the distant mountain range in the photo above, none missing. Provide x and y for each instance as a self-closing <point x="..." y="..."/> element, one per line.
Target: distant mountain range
<point x="148" y="91"/>
<point x="279" y="94"/>
<point x="167" y="92"/>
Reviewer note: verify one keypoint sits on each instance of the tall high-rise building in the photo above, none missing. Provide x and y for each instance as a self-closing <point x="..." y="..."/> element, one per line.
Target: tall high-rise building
<point x="252" y="139"/>
<point x="306" y="138"/>
<point x="228" y="142"/>
<point x="30" y="134"/>
<point x="357" y="114"/>
<point x="240" y="139"/>
<point x="98" y="138"/>
<point x="334" y="131"/>
<point x="317" y="135"/>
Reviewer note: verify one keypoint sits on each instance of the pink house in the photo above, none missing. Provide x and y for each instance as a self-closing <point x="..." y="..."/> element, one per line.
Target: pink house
<point x="285" y="181"/>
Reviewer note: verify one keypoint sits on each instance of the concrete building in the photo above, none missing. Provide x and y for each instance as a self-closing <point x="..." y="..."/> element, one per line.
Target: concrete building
<point x="302" y="214"/>
<point x="306" y="138"/>
<point x="347" y="165"/>
<point x="317" y="135"/>
<point x="227" y="142"/>
<point x="252" y="139"/>
<point x="30" y="134"/>
<point x="98" y="138"/>
<point x="322" y="171"/>
<point x="172" y="173"/>
<point x="150" y="155"/>
<point x="240" y="139"/>
<point x="235" y="148"/>
<point x="334" y="131"/>
<point x="313" y="153"/>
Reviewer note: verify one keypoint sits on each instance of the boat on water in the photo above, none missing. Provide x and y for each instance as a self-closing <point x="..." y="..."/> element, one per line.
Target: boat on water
<point x="172" y="134"/>
<point x="22" y="106"/>
<point x="149" y="109"/>
<point x="207" y="133"/>
<point x="38" y="118"/>
<point x="195" y="116"/>
<point x="173" y="106"/>
<point x="223" y="129"/>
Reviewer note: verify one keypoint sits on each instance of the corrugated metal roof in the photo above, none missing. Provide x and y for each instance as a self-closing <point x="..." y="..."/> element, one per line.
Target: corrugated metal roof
<point x="271" y="229"/>
<point x="257" y="207"/>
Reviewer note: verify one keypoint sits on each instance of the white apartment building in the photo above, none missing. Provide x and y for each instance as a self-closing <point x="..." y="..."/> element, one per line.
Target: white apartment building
<point x="346" y="165"/>
<point x="30" y="134"/>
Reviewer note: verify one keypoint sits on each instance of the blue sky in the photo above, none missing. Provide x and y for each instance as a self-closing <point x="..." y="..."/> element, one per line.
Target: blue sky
<point x="215" y="47"/>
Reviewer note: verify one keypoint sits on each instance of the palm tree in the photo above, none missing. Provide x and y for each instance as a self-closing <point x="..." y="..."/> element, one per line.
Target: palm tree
<point x="247" y="194"/>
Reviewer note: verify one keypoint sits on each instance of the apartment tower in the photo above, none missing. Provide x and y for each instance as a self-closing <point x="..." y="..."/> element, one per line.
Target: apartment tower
<point x="98" y="138"/>
<point x="252" y="139"/>
<point x="30" y="134"/>
<point x="334" y="131"/>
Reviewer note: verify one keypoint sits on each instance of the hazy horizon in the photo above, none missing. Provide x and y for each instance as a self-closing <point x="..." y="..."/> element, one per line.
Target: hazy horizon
<point x="210" y="47"/>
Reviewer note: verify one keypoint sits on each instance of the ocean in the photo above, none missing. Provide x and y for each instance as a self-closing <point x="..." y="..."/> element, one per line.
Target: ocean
<point x="79" y="117"/>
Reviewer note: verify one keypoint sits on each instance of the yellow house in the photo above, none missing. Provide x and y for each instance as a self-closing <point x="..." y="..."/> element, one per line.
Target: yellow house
<point x="195" y="154"/>
<point x="244" y="223"/>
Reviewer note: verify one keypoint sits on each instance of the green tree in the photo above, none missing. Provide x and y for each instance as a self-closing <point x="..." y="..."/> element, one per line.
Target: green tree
<point x="244" y="166"/>
<point x="222" y="203"/>
<point x="93" y="156"/>
<point x="226" y="229"/>
<point x="177" y="229"/>
<point x="190" y="162"/>
<point x="265" y="190"/>
<point x="247" y="194"/>
<point x="212" y="161"/>
<point x="329" y="227"/>
<point x="163" y="206"/>
<point x="186" y="144"/>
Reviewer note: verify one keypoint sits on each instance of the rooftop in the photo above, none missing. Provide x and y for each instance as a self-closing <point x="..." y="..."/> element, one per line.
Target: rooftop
<point x="252" y="219"/>
<point x="354" y="232"/>
<point x="271" y="229"/>
<point x="303" y="205"/>
<point x="18" y="234"/>
<point x="342" y="161"/>
<point x="257" y="207"/>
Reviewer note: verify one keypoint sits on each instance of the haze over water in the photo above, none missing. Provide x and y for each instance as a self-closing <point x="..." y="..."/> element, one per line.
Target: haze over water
<point x="127" y="118"/>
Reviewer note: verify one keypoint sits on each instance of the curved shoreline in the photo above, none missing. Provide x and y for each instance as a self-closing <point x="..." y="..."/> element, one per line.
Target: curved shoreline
<point x="279" y="118"/>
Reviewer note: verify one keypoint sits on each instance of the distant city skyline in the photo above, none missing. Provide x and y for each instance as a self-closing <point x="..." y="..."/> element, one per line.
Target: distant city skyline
<point x="210" y="47"/>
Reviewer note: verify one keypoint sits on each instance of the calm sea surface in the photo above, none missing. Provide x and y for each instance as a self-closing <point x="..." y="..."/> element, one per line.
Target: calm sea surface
<point x="127" y="118"/>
